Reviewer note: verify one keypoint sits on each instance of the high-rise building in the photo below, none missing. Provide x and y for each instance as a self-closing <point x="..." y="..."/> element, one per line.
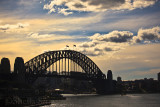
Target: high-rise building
<point x="5" y="66"/>
<point x="109" y="75"/>
<point x="0" y="68"/>
<point x="19" y="67"/>
<point x="119" y="80"/>
<point x="159" y="76"/>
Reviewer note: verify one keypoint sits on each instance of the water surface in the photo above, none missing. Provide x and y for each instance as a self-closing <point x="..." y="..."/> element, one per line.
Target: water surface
<point x="130" y="100"/>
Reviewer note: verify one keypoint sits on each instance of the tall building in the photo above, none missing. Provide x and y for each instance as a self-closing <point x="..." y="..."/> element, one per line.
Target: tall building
<point x="0" y="68"/>
<point x="109" y="75"/>
<point x="5" y="66"/>
<point x="19" y="67"/>
<point x="119" y="80"/>
<point x="159" y="76"/>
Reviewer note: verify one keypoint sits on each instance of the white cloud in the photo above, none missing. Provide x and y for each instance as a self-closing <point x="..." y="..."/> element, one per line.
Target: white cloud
<point x="143" y="3"/>
<point x="64" y="11"/>
<point x="134" y="4"/>
<point x="114" y="41"/>
<point x="13" y="26"/>
<point x="100" y="48"/>
<point x="114" y="36"/>
<point x="48" y="37"/>
<point x="147" y="35"/>
<point x="36" y="35"/>
<point x="95" y="5"/>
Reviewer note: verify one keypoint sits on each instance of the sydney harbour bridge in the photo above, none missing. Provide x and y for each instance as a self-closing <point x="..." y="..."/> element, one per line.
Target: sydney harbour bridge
<point x="40" y="64"/>
<point x="65" y="64"/>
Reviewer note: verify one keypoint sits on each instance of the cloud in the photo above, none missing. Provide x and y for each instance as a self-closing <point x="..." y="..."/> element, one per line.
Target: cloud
<point x="38" y="36"/>
<point x="67" y="7"/>
<point x="64" y="11"/>
<point x="114" y="36"/>
<point x="88" y="44"/>
<point x="100" y="48"/>
<point x="49" y="38"/>
<point x="143" y="3"/>
<point x="134" y="4"/>
<point x="56" y="24"/>
<point x="114" y="41"/>
<point x="13" y="26"/>
<point x="150" y="35"/>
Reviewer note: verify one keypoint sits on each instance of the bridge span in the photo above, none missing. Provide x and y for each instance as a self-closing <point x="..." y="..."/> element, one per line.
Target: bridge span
<point x="67" y="64"/>
<point x="64" y="61"/>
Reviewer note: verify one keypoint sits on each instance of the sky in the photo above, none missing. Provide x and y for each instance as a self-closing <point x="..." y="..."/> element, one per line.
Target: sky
<point x="121" y="35"/>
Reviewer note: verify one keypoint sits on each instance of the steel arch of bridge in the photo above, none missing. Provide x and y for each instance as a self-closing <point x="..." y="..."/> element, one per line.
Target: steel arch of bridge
<point x="40" y="63"/>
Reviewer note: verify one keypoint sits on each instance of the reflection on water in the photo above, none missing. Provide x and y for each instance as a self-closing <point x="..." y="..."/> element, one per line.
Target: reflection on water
<point x="130" y="100"/>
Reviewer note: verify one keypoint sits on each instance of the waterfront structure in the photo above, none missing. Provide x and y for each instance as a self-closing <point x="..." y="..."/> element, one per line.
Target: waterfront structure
<point x="159" y="76"/>
<point x="0" y="68"/>
<point x="142" y="85"/>
<point x="5" y="66"/>
<point x="109" y="75"/>
<point x="19" y="67"/>
<point x="110" y="83"/>
<point x="119" y="80"/>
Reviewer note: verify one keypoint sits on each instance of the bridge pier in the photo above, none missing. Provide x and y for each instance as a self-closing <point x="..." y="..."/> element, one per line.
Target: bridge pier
<point x="100" y="87"/>
<point x="104" y="86"/>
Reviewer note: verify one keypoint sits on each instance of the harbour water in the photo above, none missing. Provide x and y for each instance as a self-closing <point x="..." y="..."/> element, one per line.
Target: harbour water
<point x="129" y="100"/>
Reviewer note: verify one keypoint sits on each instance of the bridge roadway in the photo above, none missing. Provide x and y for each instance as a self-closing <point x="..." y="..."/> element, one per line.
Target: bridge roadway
<point x="59" y="75"/>
<point x="100" y="84"/>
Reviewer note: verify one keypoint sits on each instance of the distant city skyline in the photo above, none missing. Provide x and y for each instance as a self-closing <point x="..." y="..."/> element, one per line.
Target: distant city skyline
<point x="121" y="35"/>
